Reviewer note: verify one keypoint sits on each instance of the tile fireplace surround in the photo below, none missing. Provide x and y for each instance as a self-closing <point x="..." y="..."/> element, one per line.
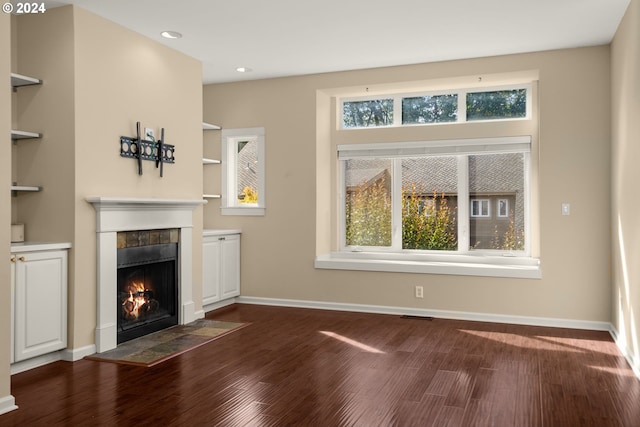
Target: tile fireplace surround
<point x="129" y="214"/>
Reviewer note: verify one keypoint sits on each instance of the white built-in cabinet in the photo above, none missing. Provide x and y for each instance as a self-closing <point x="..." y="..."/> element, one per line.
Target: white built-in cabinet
<point x="38" y="300"/>
<point x="221" y="265"/>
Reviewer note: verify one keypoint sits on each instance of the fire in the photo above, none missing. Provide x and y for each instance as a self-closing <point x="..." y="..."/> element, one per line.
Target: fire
<point x="137" y="304"/>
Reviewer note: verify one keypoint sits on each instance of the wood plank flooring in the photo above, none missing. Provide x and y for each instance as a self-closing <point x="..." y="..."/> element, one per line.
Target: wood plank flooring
<point x="298" y="367"/>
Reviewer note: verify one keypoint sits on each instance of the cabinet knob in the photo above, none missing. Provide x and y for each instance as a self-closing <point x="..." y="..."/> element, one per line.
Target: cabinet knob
<point x="222" y="238"/>
<point x="13" y="259"/>
<point x="22" y="258"/>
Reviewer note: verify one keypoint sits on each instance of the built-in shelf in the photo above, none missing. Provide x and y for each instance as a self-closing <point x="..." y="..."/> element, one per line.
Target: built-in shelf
<point x="25" y="188"/>
<point x="206" y="161"/>
<point x="21" y="134"/>
<point x="18" y="80"/>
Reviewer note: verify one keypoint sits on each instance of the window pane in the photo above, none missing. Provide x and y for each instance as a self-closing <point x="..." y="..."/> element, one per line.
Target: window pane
<point x="368" y="202"/>
<point x="430" y="109"/>
<point x="375" y="112"/>
<point x="502" y="104"/>
<point x="429" y="203"/>
<point x="496" y="191"/>
<point x="247" y="169"/>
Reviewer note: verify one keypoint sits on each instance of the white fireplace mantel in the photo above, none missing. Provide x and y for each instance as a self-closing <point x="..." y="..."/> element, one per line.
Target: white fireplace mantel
<point x="127" y="214"/>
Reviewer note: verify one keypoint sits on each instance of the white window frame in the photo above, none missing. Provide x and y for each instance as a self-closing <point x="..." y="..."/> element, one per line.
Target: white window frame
<point x="506" y="204"/>
<point x="481" y="202"/>
<point x="462" y="105"/>
<point x="229" y="200"/>
<point x="464" y="261"/>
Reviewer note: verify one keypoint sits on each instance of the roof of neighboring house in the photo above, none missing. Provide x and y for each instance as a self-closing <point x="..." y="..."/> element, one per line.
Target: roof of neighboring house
<point x="488" y="173"/>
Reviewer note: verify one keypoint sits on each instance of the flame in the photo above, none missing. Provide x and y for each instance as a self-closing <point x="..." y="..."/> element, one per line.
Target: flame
<point x="135" y="301"/>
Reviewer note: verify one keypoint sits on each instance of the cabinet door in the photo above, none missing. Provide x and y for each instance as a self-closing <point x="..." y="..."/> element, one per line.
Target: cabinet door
<point x="40" y="303"/>
<point x="210" y="270"/>
<point x="230" y="279"/>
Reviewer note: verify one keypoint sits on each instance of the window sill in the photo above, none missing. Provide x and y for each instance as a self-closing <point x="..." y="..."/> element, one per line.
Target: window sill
<point x="246" y="211"/>
<point x="464" y="265"/>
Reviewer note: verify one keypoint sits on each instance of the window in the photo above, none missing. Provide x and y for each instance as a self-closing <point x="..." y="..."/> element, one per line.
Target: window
<point x="480" y="208"/>
<point x="463" y="105"/>
<point x="430" y="196"/>
<point x="503" y="104"/>
<point x="430" y="109"/>
<point x="243" y="186"/>
<point x="362" y="114"/>
<point x="503" y="208"/>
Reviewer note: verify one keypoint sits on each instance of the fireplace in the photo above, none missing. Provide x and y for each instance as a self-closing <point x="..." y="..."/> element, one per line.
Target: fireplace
<point x="147" y="288"/>
<point x="115" y="215"/>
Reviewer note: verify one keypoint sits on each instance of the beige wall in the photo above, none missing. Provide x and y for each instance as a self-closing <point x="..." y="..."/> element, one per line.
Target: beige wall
<point x="574" y="135"/>
<point x="99" y="79"/>
<point x="45" y="51"/>
<point x="121" y="78"/>
<point x="5" y="210"/>
<point x="625" y="55"/>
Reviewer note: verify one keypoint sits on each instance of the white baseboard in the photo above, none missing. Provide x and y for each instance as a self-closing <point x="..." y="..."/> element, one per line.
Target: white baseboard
<point x="35" y="362"/>
<point x="216" y="305"/>
<point x="7" y="404"/>
<point x="633" y="361"/>
<point x="442" y="314"/>
<point x="73" y="354"/>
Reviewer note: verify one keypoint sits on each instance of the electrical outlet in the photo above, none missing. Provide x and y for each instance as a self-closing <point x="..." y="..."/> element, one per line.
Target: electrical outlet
<point x="419" y="291"/>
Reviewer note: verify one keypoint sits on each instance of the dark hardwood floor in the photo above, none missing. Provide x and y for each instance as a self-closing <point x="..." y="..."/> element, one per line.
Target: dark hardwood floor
<point x="297" y="367"/>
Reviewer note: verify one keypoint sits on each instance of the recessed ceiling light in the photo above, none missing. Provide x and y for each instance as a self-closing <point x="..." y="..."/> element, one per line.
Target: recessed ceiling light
<point x="243" y="69"/>
<point x="171" y="34"/>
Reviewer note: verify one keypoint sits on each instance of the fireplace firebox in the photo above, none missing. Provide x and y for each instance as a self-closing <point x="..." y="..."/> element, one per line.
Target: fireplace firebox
<point x="147" y="289"/>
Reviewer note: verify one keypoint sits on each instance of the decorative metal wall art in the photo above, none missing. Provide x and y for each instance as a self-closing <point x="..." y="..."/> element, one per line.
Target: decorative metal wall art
<point x="142" y="149"/>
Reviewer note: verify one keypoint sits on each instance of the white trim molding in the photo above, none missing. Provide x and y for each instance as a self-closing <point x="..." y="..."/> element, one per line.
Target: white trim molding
<point x="74" y="354"/>
<point x="442" y="314"/>
<point x="462" y="265"/>
<point x="7" y="404"/>
<point x="591" y="325"/>
<point x="126" y="214"/>
<point x="229" y="203"/>
<point x="632" y="359"/>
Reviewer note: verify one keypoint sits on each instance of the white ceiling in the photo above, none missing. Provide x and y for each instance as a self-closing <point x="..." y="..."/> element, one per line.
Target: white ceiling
<point x="278" y="38"/>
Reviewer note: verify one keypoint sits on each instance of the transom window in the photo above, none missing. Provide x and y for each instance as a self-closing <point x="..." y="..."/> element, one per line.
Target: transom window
<point x="436" y="196"/>
<point x="454" y="106"/>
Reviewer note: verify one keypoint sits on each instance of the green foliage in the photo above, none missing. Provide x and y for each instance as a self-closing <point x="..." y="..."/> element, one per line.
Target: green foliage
<point x="427" y="223"/>
<point x="497" y="105"/>
<point x="430" y="109"/>
<point x="375" y="112"/>
<point x="511" y="240"/>
<point x="250" y="195"/>
<point x="368" y="215"/>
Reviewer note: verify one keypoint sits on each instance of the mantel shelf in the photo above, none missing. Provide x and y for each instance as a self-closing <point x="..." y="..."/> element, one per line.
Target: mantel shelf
<point x="18" y="80"/>
<point x="209" y="126"/>
<point x="21" y="134"/>
<point x="206" y="161"/>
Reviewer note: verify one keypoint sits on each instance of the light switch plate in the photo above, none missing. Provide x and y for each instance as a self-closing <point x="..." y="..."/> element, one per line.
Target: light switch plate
<point x="566" y="209"/>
